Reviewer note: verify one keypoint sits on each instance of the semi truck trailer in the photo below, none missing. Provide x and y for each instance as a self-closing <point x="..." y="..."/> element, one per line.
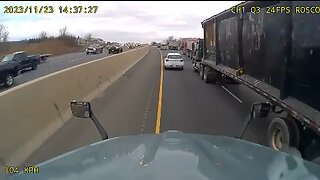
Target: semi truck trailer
<point x="197" y="54"/>
<point x="190" y="47"/>
<point x="276" y="55"/>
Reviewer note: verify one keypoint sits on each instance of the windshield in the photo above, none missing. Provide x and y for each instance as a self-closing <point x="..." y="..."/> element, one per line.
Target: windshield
<point x="242" y="69"/>
<point x="8" y="58"/>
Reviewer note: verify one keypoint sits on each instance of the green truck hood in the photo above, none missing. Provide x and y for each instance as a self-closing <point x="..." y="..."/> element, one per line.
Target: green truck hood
<point x="174" y="155"/>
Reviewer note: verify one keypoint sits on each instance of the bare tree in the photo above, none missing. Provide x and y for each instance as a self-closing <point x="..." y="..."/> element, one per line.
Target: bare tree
<point x="170" y="39"/>
<point x="88" y="36"/>
<point x="63" y="32"/>
<point x="4" y="33"/>
<point x="43" y="35"/>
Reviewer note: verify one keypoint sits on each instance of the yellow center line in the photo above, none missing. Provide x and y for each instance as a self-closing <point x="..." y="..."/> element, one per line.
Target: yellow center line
<point x="160" y="97"/>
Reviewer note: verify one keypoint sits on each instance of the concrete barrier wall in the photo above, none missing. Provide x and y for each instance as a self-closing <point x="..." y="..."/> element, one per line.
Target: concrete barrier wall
<point x="32" y="112"/>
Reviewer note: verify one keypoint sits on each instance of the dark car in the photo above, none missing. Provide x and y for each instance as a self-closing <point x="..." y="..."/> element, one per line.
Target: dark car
<point x="8" y="71"/>
<point x="25" y="61"/>
<point x="115" y="49"/>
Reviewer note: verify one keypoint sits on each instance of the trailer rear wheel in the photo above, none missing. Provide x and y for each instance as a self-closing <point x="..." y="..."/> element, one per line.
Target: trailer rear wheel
<point x="194" y="67"/>
<point x="206" y="76"/>
<point x="201" y="69"/>
<point x="283" y="133"/>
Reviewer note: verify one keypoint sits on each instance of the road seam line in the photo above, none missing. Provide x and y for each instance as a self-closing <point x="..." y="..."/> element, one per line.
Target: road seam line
<point x="238" y="99"/>
<point x="160" y="97"/>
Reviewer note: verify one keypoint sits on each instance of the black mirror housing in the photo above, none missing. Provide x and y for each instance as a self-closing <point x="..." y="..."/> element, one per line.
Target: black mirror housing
<point x="260" y="109"/>
<point x="81" y="109"/>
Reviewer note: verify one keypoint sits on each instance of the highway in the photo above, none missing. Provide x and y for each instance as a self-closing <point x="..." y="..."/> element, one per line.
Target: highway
<point x="54" y="64"/>
<point x="130" y="106"/>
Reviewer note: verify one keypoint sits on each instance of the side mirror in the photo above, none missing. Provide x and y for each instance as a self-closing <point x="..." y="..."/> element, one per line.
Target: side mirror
<point x="83" y="110"/>
<point x="257" y="110"/>
<point x="80" y="109"/>
<point x="260" y="109"/>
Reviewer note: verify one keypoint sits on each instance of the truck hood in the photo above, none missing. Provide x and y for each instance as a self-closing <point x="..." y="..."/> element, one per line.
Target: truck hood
<point x="175" y="155"/>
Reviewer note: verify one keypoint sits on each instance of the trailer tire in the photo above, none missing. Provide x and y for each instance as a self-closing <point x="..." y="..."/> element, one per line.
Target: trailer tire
<point x="283" y="133"/>
<point x="206" y="76"/>
<point x="194" y="67"/>
<point x="201" y="71"/>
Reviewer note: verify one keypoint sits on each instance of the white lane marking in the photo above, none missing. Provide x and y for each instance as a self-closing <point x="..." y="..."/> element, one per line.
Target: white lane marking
<point x="146" y="113"/>
<point x="19" y="76"/>
<point x="238" y="99"/>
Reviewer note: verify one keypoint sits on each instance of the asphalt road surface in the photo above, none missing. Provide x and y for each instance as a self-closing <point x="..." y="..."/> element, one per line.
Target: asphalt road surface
<point x="54" y="64"/>
<point x="129" y="106"/>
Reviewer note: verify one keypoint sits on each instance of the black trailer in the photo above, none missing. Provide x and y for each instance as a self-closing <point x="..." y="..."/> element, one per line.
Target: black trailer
<point x="274" y="49"/>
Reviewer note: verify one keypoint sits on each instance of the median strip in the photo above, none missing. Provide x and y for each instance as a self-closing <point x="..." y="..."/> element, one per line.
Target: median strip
<point x="50" y="96"/>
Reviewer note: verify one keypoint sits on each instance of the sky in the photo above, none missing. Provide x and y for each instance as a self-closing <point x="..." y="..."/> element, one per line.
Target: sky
<point x="119" y="21"/>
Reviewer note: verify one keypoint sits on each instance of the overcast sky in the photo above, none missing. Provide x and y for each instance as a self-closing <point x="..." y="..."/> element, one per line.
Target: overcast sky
<point x="115" y="21"/>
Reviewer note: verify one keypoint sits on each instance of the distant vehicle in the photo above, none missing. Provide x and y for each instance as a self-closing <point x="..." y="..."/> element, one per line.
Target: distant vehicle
<point x="190" y="47"/>
<point x="115" y="49"/>
<point x="173" y="46"/>
<point x="25" y="61"/>
<point x="131" y="46"/>
<point x="170" y="155"/>
<point x="164" y="47"/>
<point x="8" y="71"/>
<point x="94" y="49"/>
<point x="44" y="57"/>
<point x="173" y="60"/>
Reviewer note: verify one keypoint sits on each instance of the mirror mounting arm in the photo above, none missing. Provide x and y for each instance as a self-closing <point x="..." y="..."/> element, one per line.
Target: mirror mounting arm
<point x="83" y="110"/>
<point x="101" y="130"/>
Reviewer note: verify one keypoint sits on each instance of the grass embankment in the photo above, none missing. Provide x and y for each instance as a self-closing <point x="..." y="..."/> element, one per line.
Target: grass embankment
<point x="51" y="46"/>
